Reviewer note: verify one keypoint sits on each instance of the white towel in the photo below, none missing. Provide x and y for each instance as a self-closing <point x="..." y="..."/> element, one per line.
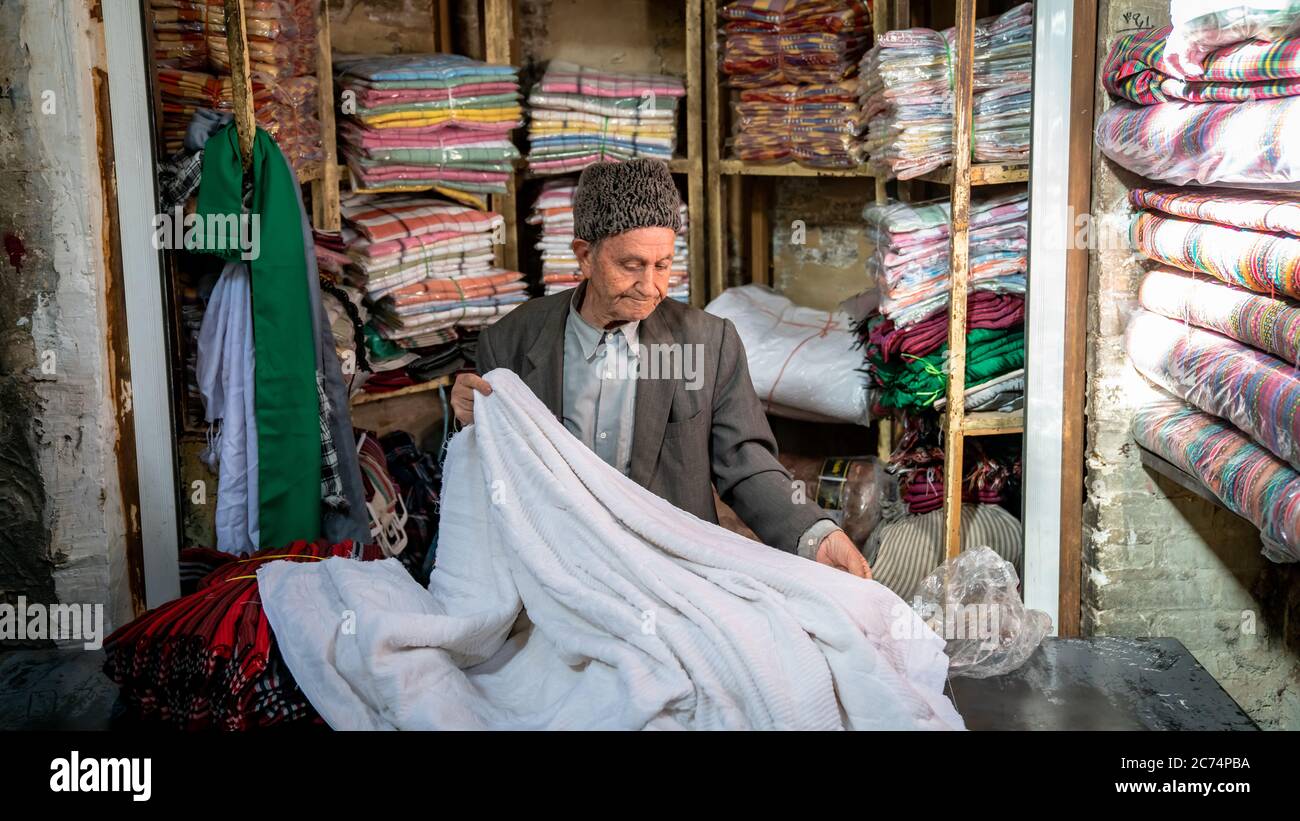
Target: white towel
<point x="627" y="613"/>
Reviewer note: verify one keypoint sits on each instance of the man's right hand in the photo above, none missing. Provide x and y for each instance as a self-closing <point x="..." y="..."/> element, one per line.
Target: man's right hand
<point x="462" y="395"/>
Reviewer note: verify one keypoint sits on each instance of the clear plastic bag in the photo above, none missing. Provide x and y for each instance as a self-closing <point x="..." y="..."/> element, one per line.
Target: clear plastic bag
<point x="1201" y="26"/>
<point x="1243" y="144"/>
<point x="973" y="602"/>
<point x="856" y="490"/>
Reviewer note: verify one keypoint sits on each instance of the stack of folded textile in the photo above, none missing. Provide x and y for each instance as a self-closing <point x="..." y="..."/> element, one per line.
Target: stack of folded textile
<point x="793" y="61"/>
<point x="579" y="116"/>
<point x="194" y="72"/>
<point x="1221" y="331"/>
<point x="553" y="210"/>
<point x="426" y="267"/>
<point x="905" y="90"/>
<point x="419" y="122"/>
<point x="209" y="659"/>
<point x="910" y="262"/>
<point x="1226" y="119"/>
<point x="178" y="33"/>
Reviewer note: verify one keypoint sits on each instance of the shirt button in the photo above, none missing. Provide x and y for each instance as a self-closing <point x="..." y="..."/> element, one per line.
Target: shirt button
<point x="603" y="434"/>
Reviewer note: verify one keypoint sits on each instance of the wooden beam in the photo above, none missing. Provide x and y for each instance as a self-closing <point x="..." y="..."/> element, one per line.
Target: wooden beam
<point x="241" y="91"/>
<point x="959" y="261"/>
<point x="326" y="215"/>
<point x="695" y="181"/>
<point x="1073" y="434"/>
<point x="499" y="48"/>
<point x="717" y="203"/>
<point x="760" y="232"/>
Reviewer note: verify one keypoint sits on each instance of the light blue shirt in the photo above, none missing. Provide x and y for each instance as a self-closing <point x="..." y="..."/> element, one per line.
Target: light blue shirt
<point x="600" y="374"/>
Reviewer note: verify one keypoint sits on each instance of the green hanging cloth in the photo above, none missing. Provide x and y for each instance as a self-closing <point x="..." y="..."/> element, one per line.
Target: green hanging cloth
<point x="285" y="400"/>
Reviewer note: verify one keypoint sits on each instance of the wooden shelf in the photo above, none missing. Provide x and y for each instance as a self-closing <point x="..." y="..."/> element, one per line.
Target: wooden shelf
<point x="991" y="423"/>
<point x="788" y="169"/>
<point x="431" y="385"/>
<point x="983" y="174"/>
<point x="1181" y="478"/>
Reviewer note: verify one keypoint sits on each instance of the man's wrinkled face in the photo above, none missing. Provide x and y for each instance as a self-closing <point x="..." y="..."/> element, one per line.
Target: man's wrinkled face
<point x="628" y="272"/>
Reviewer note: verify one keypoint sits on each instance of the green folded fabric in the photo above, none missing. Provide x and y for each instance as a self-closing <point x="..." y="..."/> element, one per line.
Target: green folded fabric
<point x="916" y="382"/>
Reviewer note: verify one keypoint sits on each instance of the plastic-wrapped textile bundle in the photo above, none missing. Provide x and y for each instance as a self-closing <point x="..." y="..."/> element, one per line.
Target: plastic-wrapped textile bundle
<point x="1136" y="69"/>
<point x="815" y="125"/>
<point x="1270" y="324"/>
<point x="579" y="116"/>
<point x="424" y="122"/>
<point x="801" y="360"/>
<point x="905" y="88"/>
<point x="178" y="37"/>
<point x="1248" y="479"/>
<point x="1258" y="212"/>
<point x="1256" y="391"/>
<point x="1249" y="144"/>
<point x="772" y="42"/>
<point x="1268" y="263"/>
<point x="910" y="260"/>
<point x="1203" y="26"/>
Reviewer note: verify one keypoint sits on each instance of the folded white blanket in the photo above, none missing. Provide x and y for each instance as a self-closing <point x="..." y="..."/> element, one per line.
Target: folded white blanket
<point x="638" y="615"/>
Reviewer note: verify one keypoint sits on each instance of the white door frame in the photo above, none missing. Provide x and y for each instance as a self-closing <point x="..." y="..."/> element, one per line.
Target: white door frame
<point x="155" y="453"/>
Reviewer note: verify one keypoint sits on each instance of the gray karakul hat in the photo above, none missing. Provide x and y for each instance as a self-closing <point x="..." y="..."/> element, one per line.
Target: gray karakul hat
<point x="614" y="197"/>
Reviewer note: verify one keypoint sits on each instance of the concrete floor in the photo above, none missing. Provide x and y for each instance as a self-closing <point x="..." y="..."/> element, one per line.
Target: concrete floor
<point x="55" y="690"/>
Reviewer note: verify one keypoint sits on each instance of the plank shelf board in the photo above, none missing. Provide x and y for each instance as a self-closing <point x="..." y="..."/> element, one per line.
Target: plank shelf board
<point x="989" y="423"/>
<point x="734" y="167"/>
<point x="982" y="174"/>
<point x="431" y="385"/>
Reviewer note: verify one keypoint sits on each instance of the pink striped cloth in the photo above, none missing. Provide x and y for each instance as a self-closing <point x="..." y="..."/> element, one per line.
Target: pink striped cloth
<point x="379" y="220"/>
<point x="431" y="136"/>
<point x="568" y="78"/>
<point x="372" y="97"/>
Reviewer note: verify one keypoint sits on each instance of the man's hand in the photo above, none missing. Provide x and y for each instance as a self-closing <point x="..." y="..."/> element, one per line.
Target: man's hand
<point x="838" y="551"/>
<point x="462" y="395"/>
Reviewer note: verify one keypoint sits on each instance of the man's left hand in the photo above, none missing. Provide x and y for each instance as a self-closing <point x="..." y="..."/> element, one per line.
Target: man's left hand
<point x="838" y="551"/>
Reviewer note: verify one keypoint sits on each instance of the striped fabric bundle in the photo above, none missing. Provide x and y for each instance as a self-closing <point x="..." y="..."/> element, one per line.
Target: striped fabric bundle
<point x="553" y="211"/>
<point x="579" y="116"/>
<point x="193" y="72"/>
<point x="426" y="266"/>
<point x="910" y="260"/>
<point x="1250" y="144"/>
<point x="1242" y="210"/>
<point x="1257" y="392"/>
<point x="815" y="125"/>
<point x="1135" y="69"/>
<point x="1249" y="480"/>
<point x="773" y="42"/>
<point x="1202" y="26"/>
<point x="1264" y="262"/>
<point x="905" y="88"/>
<point x="1267" y="323"/>
<point x="794" y="60"/>
<point x="420" y="122"/>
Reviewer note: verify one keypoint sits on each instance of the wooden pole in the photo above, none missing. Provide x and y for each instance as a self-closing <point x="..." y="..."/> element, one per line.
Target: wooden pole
<point x="241" y="91"/>
<point x="695" y="181"/>
<point x="959" y="258"/>
<point x="717" y="202"/>
<point x="498" y="35"/>
<point x="325" y="185"/>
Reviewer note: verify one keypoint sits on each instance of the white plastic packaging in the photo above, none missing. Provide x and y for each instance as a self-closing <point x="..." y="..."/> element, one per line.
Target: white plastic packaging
<point x="802" y="361"/>
<point x="1202" y="26"/>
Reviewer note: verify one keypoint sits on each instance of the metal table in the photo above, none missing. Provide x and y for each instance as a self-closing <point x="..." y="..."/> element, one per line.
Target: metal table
<point x="1101" y="683"/>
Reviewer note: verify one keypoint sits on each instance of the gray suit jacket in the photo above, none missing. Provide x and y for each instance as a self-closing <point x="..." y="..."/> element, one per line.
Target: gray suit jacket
<point x="684" y="441"/>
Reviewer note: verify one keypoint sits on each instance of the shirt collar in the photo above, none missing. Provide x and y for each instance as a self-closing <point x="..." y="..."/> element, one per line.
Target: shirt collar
<point x="589" y="336"/>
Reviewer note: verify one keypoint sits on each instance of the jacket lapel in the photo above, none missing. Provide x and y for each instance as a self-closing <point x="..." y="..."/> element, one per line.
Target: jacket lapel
<point x="546" y="356"/>
<point x="654" y="398"/>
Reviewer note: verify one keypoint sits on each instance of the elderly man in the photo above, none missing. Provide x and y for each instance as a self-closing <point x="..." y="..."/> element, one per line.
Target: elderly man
<point x="659" y="390"/>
